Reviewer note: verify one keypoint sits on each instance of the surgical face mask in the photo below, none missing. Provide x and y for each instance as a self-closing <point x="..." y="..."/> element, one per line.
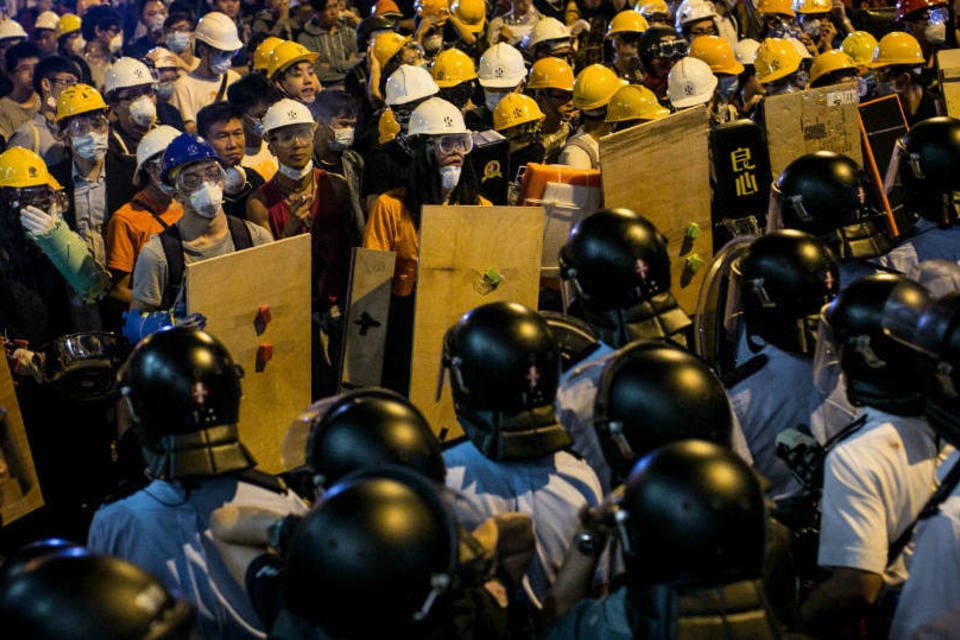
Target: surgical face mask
<point x="257" y="125"/>
<point x="728" y="86"/>
<point x="342" y="138"/>
<point x="178" y="41"/>
<point x="935" y="32"/>
<point x="155" y="22"/>
<point x="91" y="146"/>
<point x="143" y="111"/>
<point x="234" y="179"/>
<point x="164" y="90"/>
<point x="433" y="43"/>
<point x="449" y="177"/>
<point x="293" y="173"/>
<point x="116" y="43"/>
<point x="492" y="98"/>
<point x="207" y="200"/>
<point x="220" y="63"/>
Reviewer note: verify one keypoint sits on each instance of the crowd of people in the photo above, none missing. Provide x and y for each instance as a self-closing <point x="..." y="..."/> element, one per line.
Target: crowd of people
<point x="780" y="464"/>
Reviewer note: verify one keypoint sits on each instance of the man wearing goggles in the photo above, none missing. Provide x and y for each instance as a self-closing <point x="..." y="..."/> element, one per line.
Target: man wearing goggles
<point x="926" y="20"/>
<point x="660" y="48"/>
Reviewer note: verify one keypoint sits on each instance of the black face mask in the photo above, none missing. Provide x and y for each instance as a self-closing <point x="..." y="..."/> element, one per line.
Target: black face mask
<point x="458" y="95"/>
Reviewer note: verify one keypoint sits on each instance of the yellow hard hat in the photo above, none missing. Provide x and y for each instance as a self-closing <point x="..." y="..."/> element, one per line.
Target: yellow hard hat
<point x="387" y="127"/>
<point x="261" y="55"/>
<point x="551" y="73"/>
<point x="783" y="7"/>
<point x="21" y="167"/>
<point x="828" y="62"/>
<point x="648" y="8"/>
<point x="716" y="52"/>
<point x="860" y="45"/>
<point x="634" y="102"/>
<point x="628" y="21"/>
<point x="451" y="67"/>
<point x="288" y="53"/>
<point x="812" y="6"/>
<point x="80" y="98"/>
<point x="594" y="86"/>
<point x="515" y="109"/>
<point x="438" y="8"/>
<point x="897" y="47"/>
<point x="472" y="13"/>
<point x="776" y="58"/>
<point x="67" y="24"/>
<point x="387" y="44"/>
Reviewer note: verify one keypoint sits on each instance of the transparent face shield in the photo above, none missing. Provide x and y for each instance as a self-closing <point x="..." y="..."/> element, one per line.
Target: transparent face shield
<point x="939" y="277"/>
<point x="826" y="357"/>
<point x="293" y="453"/>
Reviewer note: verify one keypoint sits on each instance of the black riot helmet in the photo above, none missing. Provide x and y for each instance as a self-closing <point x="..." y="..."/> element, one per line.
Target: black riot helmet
<point x="618" y="262"/>
<point x="88" y="597"/>
<point x="824" y="193"/>
<point x="45" y="548"/>
<point x="692" y="513"/>
<point x="930" y="169"/>
<point x="504" y="368"/>
<point x="374" y="557"/>
<point x="880" y="371"/>
<point x="785" y="279"/>
<point x="651" y="394"/>
<point x="371" y="428"/>
<point x="183" y="391"/>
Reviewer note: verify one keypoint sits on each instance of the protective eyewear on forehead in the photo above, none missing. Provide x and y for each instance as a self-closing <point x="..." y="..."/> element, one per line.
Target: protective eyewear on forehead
<point x="937" y="14"/>
<point x="670" y="49"/>
<point x="193" y="179"/>
<point x="455" y="143"/>
<point x="83" y="125"/>
<point x="291" y="135"/>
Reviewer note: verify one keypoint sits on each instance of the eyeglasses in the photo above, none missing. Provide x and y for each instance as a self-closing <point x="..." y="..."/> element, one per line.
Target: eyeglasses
<point x="292" y="135"/>
<point x="83" y="125"/>
<point x="190" y="181"/>
<point x="67" y="81"/>
<point x="455" y="143"/>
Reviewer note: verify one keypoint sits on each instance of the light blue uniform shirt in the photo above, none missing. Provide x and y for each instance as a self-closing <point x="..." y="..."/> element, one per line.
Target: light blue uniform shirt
<point x="927" y="242"/>
<point x="589" y="619"/>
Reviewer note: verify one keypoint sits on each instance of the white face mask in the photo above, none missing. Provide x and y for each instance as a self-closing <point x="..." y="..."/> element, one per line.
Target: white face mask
<point x="51" y="103"/>
<point x="449" y="177"/>
<point x="91" y="146"/>
<point x="155" y="23"/>
<point x="116" y="43"/>
<point x="178" y="41"/>
<point x="207" y="200"/>
<point x="77" y="45"/>
<point x="143" y="111"/>
<point x="293" y="173"/>
<point x="164" y="90"/>
<point x="935" y="32"/>
<point x="342" y="138"/>
<point x="234" y="179"/>
<point x="221" y="63"/>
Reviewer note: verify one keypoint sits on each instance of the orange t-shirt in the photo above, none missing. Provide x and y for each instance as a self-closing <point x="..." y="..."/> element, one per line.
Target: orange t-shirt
<point x="390" y="228"/>
<point x="131" y="226"/>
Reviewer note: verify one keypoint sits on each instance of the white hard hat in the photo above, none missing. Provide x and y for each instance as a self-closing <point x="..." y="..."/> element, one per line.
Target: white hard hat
<point x="126" y="72"/>
<point x="691" y="82"/>
<point x="745" y="50"/>
<point x="436" y="117"/>
<point x="800" y="47"/>
<point x="154" y="142"/>
<point x="163" y="58"/>
<point x="219" y="31"/>
<point x="47" y="20"/>
<point x="545" y="29"/>
<point x="501" y="67"/>
<point x="284" y="113"/>
<point x="409" y="83"/>
<point x="11" y="29"/>
<point x="693" y="10"/>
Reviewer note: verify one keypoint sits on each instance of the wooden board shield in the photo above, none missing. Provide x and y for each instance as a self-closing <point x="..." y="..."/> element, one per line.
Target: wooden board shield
<point x="821" y="119"/>
<point x="19" y="485"/>
<point x="459" y="246"/>
<point x="229" y="290"/>
<point x="661" y="170"/>
<point x="365" y="327"/>
<point x="948" y="66"/>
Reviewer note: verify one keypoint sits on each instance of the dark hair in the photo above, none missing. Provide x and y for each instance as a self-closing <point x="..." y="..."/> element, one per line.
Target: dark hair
<point x="52" y="65"/>
<point x="141" y="5"/>
<point x="423" y="186"/>
<point x="214" y="113"/>
<point x="101" y="16"/>
<point x="18" y="52"/>
<point x="177" y="16"/>
<point x="320" y="5"/>
<point x="331" y="103"/>
<point x="251" y="90"/>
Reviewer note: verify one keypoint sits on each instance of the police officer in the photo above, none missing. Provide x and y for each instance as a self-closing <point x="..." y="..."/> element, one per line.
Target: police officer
<point x="183" y="392"/>
<point x="503" y="366"/>
<point x="89" y="597"/>
<point x="878" y="478"/>
<point x="683" y="571"/>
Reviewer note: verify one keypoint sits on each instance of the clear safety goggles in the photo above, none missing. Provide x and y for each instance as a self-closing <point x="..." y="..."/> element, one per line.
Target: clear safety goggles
<point x="302" y="134"/>
<point x="40" y="196"/>
<point x="82" y="125"/>
<point x="933" y="14"/>
<point x="670" y="49"/>
<point x="192" y="179"/>
<point x="454" y="143"/>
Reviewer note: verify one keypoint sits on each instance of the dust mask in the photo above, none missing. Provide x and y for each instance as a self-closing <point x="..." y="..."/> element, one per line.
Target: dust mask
<point x="143" y="111"/>
<point x="207" y="200"/>
<point x="449" y="177"/>
<point x="293" y="173"/>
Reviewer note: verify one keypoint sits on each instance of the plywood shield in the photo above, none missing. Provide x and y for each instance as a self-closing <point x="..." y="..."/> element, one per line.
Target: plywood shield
<point x="948" y="65"/>
<point x="661" y="170"/>
<point x="469" y="256"/>
<point x="365" y="329"/>
<point x="821" y="119"/>
<point x="257" y="302"/>
<point x="19" y="486"/>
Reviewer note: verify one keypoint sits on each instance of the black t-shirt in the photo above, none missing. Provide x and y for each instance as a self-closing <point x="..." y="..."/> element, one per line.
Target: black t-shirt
<point x="388" y="167"/>
<point x="236" y="205"/>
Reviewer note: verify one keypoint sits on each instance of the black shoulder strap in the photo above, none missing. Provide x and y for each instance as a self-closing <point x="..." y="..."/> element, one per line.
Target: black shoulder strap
<point x="929" y="509"/>
<point x="239" y="233"/>
<point x="735" y="376"/>
<point x="846" y="432"/>
<point x="172" y="245"/>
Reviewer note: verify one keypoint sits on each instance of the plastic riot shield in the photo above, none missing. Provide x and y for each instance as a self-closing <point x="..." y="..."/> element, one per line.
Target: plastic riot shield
<point x="741" y="180"/>
<point x="575" y="337"/>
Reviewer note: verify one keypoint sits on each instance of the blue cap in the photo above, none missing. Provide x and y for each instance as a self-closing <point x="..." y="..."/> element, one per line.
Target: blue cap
<point x="185" y="149"/>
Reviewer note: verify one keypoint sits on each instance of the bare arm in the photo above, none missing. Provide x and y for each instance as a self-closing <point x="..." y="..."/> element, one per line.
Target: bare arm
<point x="842" y="596"/>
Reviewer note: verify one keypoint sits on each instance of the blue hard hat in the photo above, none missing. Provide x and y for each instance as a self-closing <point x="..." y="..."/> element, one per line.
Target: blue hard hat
<point x="185" y="149"/>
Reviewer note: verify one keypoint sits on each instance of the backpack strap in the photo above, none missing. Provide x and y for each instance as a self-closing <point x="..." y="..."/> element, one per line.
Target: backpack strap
<point x="172" y="245"/>
<point x="239" y="233"/>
